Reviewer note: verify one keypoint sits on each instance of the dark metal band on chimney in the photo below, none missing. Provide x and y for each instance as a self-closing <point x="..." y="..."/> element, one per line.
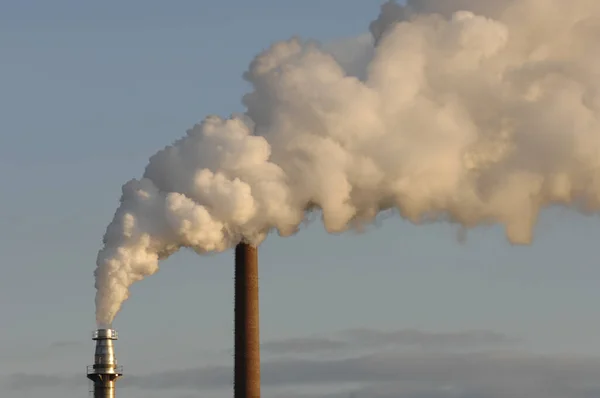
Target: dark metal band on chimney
<point x="247" y="339"/>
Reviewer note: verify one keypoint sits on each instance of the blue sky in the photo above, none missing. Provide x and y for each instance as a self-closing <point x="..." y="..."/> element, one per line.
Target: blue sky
<point x="90" y="90"/>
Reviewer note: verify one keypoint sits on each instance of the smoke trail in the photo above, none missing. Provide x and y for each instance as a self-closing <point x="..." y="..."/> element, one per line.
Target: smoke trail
<point x="469" y="117"/>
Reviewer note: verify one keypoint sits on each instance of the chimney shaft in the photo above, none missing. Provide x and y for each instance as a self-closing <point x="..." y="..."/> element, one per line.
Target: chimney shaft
<point x="247" y="340"/>
<point x="105" y="371"/>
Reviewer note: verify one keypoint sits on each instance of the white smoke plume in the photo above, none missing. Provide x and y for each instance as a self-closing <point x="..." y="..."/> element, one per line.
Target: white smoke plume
<point x="470" y="111"/>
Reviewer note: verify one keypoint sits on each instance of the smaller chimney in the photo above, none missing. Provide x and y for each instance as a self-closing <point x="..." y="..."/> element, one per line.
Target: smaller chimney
<point x="105" y="371"/>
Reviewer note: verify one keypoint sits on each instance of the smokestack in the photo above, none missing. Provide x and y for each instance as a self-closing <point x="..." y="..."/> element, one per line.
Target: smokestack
<point x="105" y="371"/>
<point x="247" y="340"/>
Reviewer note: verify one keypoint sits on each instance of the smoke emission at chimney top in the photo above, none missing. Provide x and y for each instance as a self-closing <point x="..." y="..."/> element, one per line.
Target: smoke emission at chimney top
<point x="471" y="112"/>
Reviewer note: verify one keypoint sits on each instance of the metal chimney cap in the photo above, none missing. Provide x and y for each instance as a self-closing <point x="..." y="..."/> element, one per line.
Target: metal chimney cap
<point x="105" y="334"/>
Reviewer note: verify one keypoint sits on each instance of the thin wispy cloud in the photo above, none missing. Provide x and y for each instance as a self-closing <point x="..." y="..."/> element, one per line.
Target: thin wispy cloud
<point x="303" y="345"/>
<point x="370" y="338"/>
<point x="415" y="337"/>
<point x="69" y="344"/>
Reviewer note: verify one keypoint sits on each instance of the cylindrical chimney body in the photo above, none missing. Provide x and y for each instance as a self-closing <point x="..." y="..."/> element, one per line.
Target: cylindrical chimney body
<point x="105" y="371"/>
<point x="247" y="339"/>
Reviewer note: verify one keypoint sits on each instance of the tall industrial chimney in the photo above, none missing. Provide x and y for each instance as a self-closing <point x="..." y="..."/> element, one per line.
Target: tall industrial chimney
<point x="105" y="371"/>
<point x="247" y="342"/>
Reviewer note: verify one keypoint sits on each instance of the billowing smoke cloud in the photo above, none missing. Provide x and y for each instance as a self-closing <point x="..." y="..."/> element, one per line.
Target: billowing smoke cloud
<point x="470" y="111"/>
